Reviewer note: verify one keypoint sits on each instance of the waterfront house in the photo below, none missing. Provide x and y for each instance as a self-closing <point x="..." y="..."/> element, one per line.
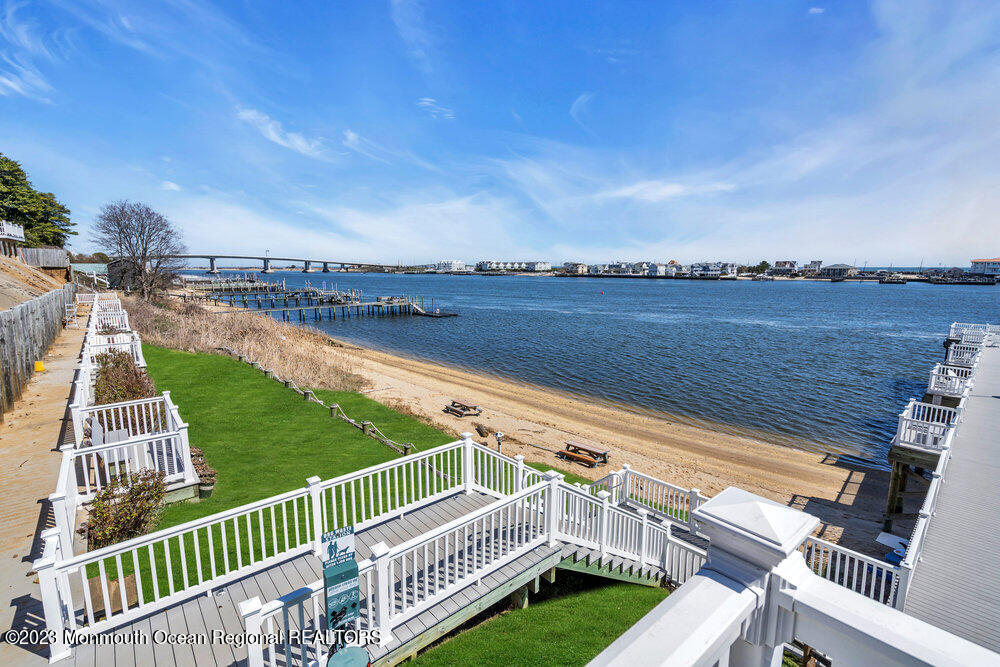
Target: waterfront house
<point x="640" y="268"/>
<point x="656" y="270"/>
<point x="783" y="268"/>
<point x="448" y="265"/>
<point x="620" y="268"/>
<point x="838" y="271"/>
<point x="713" y="269"/>
<point x="538" y="266"/>
<point x="986" y="267"/>
<point x="812" y="268"/>
<point x="575" y="267"/>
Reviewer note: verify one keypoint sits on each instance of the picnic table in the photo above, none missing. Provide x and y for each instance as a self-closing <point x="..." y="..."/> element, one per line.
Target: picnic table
<point x="463" y="408"/>
<point x="601" y="456"/>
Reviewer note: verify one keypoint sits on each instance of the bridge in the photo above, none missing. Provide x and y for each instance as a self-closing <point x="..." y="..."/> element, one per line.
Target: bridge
<point x="266" y="262"/>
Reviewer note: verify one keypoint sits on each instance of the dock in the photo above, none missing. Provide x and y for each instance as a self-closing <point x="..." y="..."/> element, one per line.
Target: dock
<point x="955" y="584"/>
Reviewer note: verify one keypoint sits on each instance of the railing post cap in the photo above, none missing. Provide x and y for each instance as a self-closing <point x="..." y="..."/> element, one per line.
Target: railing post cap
<point x="315" y="479"/>
<point x="49" y="533"/>
<point x="250" y="606"/>
<point x="553" y="474"/>
<point x="695" y="490"/>
<point x="603" y="495"/>
<point x="54" y="497"/>
<point x="626" y="466"/>
<point x="466" y="436"/>
<point x="519" y="457"/>
<point x="379" y="549"/>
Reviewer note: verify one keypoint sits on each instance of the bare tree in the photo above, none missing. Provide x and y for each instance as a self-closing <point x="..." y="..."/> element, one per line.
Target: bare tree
<point x="143" y="240"/>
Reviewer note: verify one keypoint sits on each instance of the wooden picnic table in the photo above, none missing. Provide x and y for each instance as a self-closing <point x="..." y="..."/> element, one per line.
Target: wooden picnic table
<point x="463" y="408"/>
<point x="599" y="455"/>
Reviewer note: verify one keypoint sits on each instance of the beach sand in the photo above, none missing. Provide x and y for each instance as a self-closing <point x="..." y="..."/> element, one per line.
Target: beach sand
<point x="848" y="499"/>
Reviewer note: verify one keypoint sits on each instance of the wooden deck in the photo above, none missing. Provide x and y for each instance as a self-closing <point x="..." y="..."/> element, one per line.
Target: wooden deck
<point x="955" y="585"/>
<point x="220" y="611"/>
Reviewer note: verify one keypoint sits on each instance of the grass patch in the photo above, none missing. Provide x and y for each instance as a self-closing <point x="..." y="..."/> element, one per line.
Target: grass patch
<point x="571" y="478"/>
<point x="262" y="438"/>
<point x="568" y="623"/>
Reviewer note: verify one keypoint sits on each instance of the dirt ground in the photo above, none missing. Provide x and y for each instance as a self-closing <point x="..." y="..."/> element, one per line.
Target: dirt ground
<point x="20" y="283"/>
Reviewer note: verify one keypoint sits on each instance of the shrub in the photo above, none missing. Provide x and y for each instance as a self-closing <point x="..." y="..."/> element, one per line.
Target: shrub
<point x="118" y="379"/>
<point x="127" y="507"/>
<point x="206" y="473"/>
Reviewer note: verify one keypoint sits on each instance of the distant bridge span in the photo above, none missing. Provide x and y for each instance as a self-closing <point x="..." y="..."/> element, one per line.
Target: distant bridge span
<point x="266" y="262"/>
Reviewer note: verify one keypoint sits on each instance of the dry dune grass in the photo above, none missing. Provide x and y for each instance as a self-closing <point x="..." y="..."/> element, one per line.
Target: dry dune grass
<point x="293" y="352"/>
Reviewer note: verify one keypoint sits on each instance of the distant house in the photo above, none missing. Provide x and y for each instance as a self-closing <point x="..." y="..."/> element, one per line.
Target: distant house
<point x="812" y="268"/>
<point x="640" y="268"/>
<point x="713" y="269"/>
<point x="575" y="267"/>
<point x="656" y="270"/>
<point x="447" y="265"/>
<point x="538" y="266"/>
<point x="987" y="267"/>
<point x="784" y="268"/>
<point x="621" y="268"/>
<point x="838" y="271"/>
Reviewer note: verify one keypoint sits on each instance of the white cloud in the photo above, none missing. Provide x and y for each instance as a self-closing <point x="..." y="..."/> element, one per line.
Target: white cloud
<point x="19" y="77"/>
<point x="816" y="10"/>
<point x="272" y="130"/>
<point x="408" y="16"/>
<point x="435" y="110"/>
<point x="579" y="108"/>
<point x="370" y="149"/>
<point x="660" y="191"/>
<point x="170" y="185"/>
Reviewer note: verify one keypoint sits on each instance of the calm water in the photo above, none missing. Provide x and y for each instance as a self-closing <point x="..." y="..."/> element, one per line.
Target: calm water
<point x="816" y="364"/>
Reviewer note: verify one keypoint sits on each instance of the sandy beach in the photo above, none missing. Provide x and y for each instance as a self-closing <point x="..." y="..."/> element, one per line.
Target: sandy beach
<point x="538" y="421"/>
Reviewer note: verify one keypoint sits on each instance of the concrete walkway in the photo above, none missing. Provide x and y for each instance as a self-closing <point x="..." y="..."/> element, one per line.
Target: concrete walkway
<point x="29" y="465"/>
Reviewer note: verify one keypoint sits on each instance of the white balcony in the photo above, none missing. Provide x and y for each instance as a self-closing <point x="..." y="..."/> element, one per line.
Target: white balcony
<point x="927" y="427"/>
<point x="11" y="232"/>
<point x="963" y="354"/>
<point x="946" y="380"/>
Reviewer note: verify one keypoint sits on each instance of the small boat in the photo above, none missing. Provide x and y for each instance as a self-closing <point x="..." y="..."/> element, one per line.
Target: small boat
<point x="892" y="279"/>
<point x="761" y="277"/>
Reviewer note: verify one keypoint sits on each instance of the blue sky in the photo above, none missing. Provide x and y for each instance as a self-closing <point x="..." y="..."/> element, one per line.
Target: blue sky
<point x="415" y="131"/>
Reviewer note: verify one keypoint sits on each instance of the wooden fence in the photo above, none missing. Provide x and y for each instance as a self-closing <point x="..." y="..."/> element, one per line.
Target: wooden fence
<point x="26" y="331"/>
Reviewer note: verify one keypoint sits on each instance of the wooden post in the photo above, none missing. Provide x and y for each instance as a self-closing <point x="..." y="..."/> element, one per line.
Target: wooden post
<point x="894" y="501"/>
<point x="317" y="514"/>
<point x="552" y="509"/>
<point x="383" y="587"/>
<point x="519" y="598"/>
<point x="253" y="624"/>
<point x="468" y="469"/>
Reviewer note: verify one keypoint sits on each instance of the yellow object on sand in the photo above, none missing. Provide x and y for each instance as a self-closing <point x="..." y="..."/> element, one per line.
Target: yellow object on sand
<point x="39" y="367"/>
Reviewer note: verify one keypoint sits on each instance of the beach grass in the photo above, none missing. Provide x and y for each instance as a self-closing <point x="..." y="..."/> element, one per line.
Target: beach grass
<point x="566" y="623"/>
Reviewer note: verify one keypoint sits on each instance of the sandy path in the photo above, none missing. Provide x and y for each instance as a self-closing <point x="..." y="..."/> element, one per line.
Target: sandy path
<point x="843" y="496"/>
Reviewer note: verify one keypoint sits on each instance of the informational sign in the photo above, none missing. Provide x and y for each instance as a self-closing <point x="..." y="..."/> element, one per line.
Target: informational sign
<point x="340" y="575"/>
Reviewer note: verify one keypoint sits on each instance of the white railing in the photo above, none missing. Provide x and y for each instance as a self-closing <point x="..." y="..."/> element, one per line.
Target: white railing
<point x="494" y="473"/>
<point x="125" y="342"/>
<point x="98" y="465"/>
<point x="959" y="328"/>
<point x="116" y="320"/>
<point x="85" y="297"/>
<point x="108" y="303"/>
<point x="114" y="422"/>
<point x="873" y="578"/>
<point x="662" y="498"/>
<point x="927" y="426"/>
<point x="9" y="230"/>
<point x="178" y="562"/>
<point x="950" y="380"/>
<point x="962" y="354"/>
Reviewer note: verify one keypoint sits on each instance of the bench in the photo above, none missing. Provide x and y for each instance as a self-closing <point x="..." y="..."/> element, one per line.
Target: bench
<point x="601" y="456"/>
<point x="567" y="455"/>
<point x="463" y="409"/>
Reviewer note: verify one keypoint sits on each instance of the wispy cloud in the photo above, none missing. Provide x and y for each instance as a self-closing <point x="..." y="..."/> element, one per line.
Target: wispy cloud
<point x="408" y="16"/>
<point x="435" y="110"/>
<point x="816" y="10"/>
<point x="272" y="130"/>
<point x="578" y="109"/>
<point x="170" y="185"/>
<point x="370" y="149"/>
<point x="661" y="191"/>
<point x="20" y="77"/>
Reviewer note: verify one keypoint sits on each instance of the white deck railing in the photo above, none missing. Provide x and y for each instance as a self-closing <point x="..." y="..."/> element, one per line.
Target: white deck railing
<point x="871" y="577"/>
<point x="946" y="380"/>
<point x="9" y="230"/>
<point x="666" y="500"/>
<point x="116" y="320"/>
<point x="128" y="343"/>
<point x="927" y="426"/>
<point x="963" y="354"/>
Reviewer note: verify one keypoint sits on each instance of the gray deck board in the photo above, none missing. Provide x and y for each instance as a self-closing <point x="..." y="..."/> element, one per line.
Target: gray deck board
<point x="221" y="610"/>
<point x="953" y="587"/>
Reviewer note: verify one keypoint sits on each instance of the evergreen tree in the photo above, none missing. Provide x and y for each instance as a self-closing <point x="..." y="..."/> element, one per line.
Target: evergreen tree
<point x="45" y="220"/>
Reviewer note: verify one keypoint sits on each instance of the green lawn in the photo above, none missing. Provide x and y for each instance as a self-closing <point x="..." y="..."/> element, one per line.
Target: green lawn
<point x="261" y="437"/>
<point x="567" y="623"/>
